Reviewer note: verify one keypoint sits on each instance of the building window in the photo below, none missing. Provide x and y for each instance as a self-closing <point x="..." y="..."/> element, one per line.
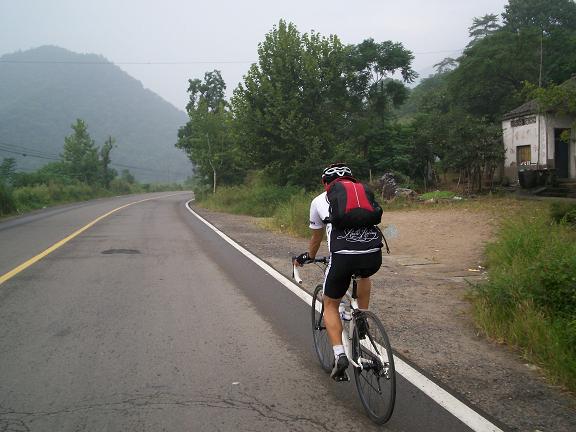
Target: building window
<point x="523" y="155"/>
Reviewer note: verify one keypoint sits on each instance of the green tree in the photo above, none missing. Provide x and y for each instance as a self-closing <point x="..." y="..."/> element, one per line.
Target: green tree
<point x="207" y="137"/>
<point x="545" y="15"/>
<point x="7" y="170"/>
<point x="210" y="92"/>
<point x="489" y="78"/>
<point x="289" y="109"/>
<point x="537" y="43"/>
<point x="553" y="24"/>
<point x="80" y="154"/>
<point x="482" y="27"/>
<point x="372" y="97"/>
<point x="127" y="176"/>
<point x="558" y="98"/>
<point x="310" y="99"/>
<point x="445" y="65"/>
<point x="106" y="173"/>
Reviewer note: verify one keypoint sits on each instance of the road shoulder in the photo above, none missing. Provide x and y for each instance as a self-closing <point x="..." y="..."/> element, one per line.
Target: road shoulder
<point x="422" y="302"/>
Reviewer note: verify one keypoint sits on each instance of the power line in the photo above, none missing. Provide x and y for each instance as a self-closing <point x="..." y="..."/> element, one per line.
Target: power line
<point x="27" y="152"/>
<point x="126" y="63"/>
<point x="439" y="52"/>
<point x="170" y="63"/>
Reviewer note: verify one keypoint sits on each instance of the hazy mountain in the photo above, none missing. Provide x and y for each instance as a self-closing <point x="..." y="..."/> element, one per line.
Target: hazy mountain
<point x="44" y="90"/>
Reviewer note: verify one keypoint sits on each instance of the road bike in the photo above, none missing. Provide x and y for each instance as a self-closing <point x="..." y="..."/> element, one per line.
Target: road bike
<point x="366" y="345"/>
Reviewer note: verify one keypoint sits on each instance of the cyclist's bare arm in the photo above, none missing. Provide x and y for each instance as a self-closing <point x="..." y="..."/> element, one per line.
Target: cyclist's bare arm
<point x="315" y="241"/>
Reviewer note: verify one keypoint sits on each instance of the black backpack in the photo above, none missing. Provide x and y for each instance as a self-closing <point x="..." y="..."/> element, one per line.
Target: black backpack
<point x="352" y="204"/>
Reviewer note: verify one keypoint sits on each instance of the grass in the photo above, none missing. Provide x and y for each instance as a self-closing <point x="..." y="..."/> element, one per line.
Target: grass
<point x="254" y="200"/>
<point x="529" y="301"/>
<point x="292" y="216"/>
<point x="436" y="195"/>
<point x="27" y="198"/>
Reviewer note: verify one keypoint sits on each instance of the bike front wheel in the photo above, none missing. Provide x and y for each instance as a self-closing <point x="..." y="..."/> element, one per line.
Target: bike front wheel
<point x="322" y="344"/>
<point x="376" y="379"/>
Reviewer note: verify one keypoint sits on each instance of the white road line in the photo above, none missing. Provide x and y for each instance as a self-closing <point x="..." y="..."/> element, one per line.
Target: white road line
<point x="442" y="397"/>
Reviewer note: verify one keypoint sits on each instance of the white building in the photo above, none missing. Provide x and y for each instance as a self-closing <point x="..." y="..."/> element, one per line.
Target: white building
<point x="532" y="140"/>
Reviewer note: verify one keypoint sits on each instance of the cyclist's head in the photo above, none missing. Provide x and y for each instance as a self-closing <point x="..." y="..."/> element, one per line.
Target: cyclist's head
<point x="334" y="171"/>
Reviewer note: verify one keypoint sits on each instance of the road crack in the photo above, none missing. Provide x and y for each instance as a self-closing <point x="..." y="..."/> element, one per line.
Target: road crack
<point x="21" y="421"/>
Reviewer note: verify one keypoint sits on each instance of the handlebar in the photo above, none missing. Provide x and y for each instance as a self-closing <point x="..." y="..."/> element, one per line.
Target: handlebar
<point x="296" y="273"/>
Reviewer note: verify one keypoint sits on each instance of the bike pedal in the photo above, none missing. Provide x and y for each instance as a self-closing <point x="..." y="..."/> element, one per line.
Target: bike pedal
<point x="342" y="378"/>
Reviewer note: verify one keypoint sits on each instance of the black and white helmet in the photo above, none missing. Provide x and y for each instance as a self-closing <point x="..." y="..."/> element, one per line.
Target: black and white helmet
<point x="334" y="171"/>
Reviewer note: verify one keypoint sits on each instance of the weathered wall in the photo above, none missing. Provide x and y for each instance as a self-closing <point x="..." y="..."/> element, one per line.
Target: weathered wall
<point x="537" y="131"/>
<point x="522" y="131"/>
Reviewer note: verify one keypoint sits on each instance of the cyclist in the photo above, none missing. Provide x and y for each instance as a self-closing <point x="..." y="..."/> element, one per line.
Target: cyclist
<point x="352" y="252"/>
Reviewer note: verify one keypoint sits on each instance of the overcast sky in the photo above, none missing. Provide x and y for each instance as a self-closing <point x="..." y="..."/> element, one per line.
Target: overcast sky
<point x="198" y="36"/>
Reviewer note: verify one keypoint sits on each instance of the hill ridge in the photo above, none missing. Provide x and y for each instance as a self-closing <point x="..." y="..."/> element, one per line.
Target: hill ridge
<point x="44" y="90"/>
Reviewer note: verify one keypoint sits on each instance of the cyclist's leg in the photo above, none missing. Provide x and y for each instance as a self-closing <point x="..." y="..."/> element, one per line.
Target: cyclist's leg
<point x="363" y="291"/>
<point x="334" y="328"/>
<point x="332" y="320"/>
<point x="369" y="265"/>
<point x="336" y="282"/>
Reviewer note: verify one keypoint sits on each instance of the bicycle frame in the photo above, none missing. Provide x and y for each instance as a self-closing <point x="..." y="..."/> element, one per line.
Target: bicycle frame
<point x="347" y="332"/>
<point x="374" y="348"/>
<point x="363" y="337"/>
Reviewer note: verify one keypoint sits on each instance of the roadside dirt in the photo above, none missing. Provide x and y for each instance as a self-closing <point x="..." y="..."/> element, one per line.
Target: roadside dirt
<point x="420" y="295"/>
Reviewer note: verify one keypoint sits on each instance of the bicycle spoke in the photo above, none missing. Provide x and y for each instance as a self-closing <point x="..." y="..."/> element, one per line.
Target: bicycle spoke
<point x="322" y="344"/>
<point x="376" y="380"/>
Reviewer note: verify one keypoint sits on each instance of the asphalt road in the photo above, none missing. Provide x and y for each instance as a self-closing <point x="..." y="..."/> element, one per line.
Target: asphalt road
<point x="148" y="321"/>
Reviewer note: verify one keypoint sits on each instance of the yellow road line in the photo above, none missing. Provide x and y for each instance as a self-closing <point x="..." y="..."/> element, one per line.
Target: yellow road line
<point x="62" y="242"/>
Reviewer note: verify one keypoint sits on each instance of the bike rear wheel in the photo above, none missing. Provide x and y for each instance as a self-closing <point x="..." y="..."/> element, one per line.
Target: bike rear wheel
<point x="322" y="344"/>
<point x="376" y="380"/>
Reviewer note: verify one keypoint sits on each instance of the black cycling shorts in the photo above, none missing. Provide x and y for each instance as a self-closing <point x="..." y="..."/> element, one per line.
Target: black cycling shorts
<point x="343" y="266"/>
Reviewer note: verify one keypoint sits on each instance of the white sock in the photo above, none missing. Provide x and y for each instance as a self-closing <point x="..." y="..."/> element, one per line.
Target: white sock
<point x="338" y="349"/>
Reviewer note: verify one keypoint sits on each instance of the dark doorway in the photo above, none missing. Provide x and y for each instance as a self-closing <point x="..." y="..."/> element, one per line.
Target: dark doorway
<point x="561" y="153"/>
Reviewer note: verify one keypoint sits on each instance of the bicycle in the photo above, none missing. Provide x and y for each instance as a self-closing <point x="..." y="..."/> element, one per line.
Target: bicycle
<point x="366" y="345"/>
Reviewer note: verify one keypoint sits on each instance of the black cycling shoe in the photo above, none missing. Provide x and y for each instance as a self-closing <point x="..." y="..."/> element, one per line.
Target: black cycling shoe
<point x="339" y="373"/>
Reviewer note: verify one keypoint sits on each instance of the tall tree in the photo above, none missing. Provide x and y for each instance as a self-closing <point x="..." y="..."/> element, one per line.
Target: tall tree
<point x="310" y="99"/>
<point x="207" y="137"/>
<point x="482" y="27"/>
<point x="80" y="154"/>
<point x="106" y="173"/>
<point x="373" y="94"/>
<point x="553" y="24"/>
<point x="546" y="15"/>
<point x="446" y="65"/>
<point x="537" y="43"/>
<point x="289" y="108"/>
<point x="7" y="170"/>
<point x="210" y="92"/>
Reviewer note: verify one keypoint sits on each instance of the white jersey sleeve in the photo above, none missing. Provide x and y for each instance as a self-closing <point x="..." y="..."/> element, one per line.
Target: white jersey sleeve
<point x="319" y="211"/>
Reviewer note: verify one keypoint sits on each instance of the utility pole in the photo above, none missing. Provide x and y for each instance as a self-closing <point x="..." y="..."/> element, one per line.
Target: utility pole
<point x="541" y="56"/>
<point x="211" y="164"/>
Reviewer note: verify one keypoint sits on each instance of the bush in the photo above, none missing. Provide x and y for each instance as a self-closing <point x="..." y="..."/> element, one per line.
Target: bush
<point x="530" y="299"/>
<point x="563" y="212"/>
<point x="120" y="186"/>
<point x="32" y="197"/>
<point x="162" y="187"/>
<point x="39" y="196"/>
<point x="253" y="200"/>
<point x="7" y="201"/>
<point x="293" y="215"/>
